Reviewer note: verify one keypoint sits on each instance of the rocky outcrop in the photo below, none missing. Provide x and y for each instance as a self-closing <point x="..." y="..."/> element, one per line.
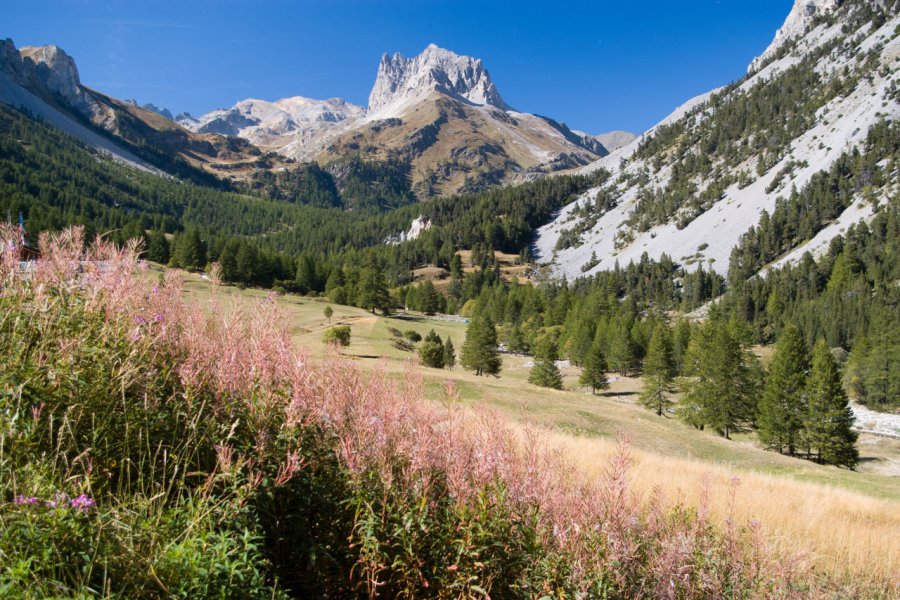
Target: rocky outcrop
<point x="796" y="24"/>
<point x="402" y="79"/>
<point x="48" y="72"/>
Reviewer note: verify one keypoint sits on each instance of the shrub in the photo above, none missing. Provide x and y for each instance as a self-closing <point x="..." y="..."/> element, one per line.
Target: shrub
<point x="412" y="335"/>
<point x="337" y="335"/>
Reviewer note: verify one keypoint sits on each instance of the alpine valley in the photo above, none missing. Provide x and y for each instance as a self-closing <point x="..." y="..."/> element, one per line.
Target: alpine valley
<point x="435" y="346"/>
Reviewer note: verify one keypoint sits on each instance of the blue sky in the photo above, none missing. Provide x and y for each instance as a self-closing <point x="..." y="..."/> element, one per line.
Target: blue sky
<point x="597" y="65"/>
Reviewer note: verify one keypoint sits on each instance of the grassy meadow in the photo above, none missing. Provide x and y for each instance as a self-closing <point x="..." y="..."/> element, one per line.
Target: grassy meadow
<point x="847" y="522"/>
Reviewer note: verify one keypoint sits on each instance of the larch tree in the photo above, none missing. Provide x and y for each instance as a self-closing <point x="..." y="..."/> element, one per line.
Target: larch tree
<point x="722" y="382"/>
<point x="659" y="371"/>
<point x="593" y="372"/>
<point x="829" y="420"/>
<point x="545" y="373"/>
<point x="782" y="411"/>
<point x="479" y="351"/>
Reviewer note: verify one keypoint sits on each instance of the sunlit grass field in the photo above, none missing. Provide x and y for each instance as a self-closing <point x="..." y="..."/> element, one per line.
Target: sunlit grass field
<point x="844" y="520"/>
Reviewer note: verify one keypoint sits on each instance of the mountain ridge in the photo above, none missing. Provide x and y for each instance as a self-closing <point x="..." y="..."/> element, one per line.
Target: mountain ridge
<point x="689" y="191"/>
<point x="439" y="110"/>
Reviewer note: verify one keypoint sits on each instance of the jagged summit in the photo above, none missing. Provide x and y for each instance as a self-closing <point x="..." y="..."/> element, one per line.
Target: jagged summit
<point x="435" y="69"/>
<point x="46" y="67"/>
<point x="796" y="24"/>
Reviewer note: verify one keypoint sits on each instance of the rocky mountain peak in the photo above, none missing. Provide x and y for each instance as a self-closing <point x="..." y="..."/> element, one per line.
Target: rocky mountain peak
<point x="46" y="70"/>
<point x="797" y="22"/>
<point x="55" y="69"/>
<point x="400" y="78"/>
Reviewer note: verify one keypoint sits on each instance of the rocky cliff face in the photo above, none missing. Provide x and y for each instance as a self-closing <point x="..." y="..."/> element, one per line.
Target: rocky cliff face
<point x="403" y="79"/>
<point x="48" y="71"/>
<point x="45" y="81"/>
<point x="797" y="22"/>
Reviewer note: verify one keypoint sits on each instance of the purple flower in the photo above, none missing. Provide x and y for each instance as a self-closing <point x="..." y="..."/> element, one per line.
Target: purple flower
<point x="82" y="503"/>
<point x="139" y="320"/>
<point x="20" y="499"/>
<point x="159" y="318"/>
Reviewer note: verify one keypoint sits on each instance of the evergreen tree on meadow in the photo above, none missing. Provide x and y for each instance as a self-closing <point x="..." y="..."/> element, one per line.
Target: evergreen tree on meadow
<point x="681" y="339"/>
<point x="659" y="371"/>
<point x="449" y="354"/>
<point x="545" y="373"/>
<point x="431" y="352"/>
<point x="621" y="352"/>
<point x="157" y="247"/>
<point x="246" y="262"/>
<point x="829" y="420"/>
<point x="479" y="351"/>
<point x="429" y="298"/>
<point x="783" y="409"/>
<point x="190" y="251"/>
<point x="722" y="382"/>
<point x="372" y="291"/>
<point x="593" y="372"/>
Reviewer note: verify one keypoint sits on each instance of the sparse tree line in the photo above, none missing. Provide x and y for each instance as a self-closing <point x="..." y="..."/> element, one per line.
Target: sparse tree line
<point x="798" y="407"/>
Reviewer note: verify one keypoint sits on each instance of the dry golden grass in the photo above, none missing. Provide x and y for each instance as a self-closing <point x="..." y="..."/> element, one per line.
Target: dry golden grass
<point x="841" y="531"/>
<point x="847" y="522"/>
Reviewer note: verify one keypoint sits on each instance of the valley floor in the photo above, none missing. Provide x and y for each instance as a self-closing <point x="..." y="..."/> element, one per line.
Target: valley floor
<point x="844" y="520"/>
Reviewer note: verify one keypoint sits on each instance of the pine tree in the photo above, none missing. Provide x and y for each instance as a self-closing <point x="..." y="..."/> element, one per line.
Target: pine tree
<point x="680" y="342"/>
<point x="429" y="299"/>
<point x="449" y="354"/>
<point x="431" y="352"/>
<point x="545" y="373"/>
<point x="373" y="292"/>
<point x="246" y="262"/>
<point x="479" y="351"/>
<point x="829" y="420"/>
<point x="722" y="383"/>
<point x="783" y="409"/>
<point x="881" y="368"/>
<point x="659" y="371"/>
<point x="621" y="346"/>
<point x="157" y="247"/>
<point x="593" y="372"/>
<point x="190" y="251"/>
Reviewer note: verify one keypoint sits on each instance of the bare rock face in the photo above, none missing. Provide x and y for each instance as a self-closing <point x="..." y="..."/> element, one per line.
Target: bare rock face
<point x="463" y="77"/>
<point x="51" y="70"/>
<point x="613" y="140"/>
<point x="796" y="24"/>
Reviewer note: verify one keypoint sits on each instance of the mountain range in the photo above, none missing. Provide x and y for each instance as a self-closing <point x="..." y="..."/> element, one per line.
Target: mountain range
<point x="688" y="188"/>
<point x="438" y="113"/>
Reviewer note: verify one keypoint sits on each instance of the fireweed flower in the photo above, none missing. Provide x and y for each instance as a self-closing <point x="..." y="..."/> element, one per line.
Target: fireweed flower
<point x="139" y="320"/>
<point x="82" y="503"/>
<point x="20" y="499"/>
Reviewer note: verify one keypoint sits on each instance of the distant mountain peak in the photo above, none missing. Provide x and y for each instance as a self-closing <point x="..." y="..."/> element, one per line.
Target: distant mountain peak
<point x="435" y="69"/>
